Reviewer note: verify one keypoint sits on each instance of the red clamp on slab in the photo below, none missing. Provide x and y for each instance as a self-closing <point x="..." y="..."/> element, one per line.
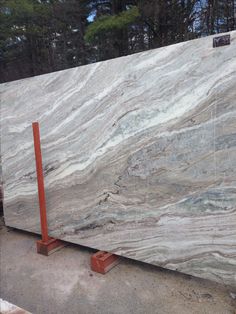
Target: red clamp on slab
<point x="102" y="262"/>
<point x="47" y="245"/>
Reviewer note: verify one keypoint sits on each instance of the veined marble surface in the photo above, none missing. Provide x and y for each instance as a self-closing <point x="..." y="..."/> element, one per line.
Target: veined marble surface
<point x="139" y="156"/>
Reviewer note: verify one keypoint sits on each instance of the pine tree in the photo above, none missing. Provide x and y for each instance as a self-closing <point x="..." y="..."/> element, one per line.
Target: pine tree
<point x="40" y="36"/>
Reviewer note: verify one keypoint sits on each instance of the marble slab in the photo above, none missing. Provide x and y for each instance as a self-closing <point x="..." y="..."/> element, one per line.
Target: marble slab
<point x="139" y="156"/>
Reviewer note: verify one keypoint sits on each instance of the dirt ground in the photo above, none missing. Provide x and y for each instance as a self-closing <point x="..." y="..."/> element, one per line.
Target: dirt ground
<point x="63" y="283"/>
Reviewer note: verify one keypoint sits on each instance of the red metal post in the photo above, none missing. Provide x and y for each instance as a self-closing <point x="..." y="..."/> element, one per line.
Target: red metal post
<point x="40" y="178"/>
<point x="47" y="245"/>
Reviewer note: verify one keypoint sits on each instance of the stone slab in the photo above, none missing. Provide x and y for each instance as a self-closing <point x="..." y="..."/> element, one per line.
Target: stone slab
<point x="139" y="156"/>
<point x="9" y="308"/>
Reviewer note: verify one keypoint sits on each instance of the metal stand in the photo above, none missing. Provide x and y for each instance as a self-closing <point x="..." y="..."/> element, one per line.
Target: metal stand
<point x="47" y="245"/>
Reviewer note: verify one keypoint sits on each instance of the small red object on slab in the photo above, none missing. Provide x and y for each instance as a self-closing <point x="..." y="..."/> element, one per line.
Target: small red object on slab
<point x="102" y="262"/>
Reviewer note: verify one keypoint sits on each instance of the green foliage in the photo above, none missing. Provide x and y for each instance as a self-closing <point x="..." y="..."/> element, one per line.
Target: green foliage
<point x="20" y="8"/>
<point x="108" y="23"/>
<point x="21" y="17"/>
<point x="38" y="36"/>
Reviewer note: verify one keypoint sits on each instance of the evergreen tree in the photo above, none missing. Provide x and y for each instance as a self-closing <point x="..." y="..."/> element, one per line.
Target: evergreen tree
<point x="40" y="36"/>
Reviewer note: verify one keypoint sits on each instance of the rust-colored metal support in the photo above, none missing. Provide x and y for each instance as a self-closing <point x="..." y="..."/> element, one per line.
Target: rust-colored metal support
<point x="47" y="245"/>
<point x="102" y="262"/>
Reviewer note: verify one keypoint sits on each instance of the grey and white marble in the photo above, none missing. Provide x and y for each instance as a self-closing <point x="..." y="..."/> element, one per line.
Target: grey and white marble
<point x="139" y="156"/>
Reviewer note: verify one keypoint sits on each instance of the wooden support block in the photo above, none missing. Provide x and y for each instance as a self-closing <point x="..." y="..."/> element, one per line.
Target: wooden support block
<point x="102" y="262"/>
<point x="49" y="247"/>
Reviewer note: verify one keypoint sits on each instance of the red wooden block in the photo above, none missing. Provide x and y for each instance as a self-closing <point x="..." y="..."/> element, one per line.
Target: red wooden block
<point x="50" y="246"/>
<point x="102" y="262"/>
